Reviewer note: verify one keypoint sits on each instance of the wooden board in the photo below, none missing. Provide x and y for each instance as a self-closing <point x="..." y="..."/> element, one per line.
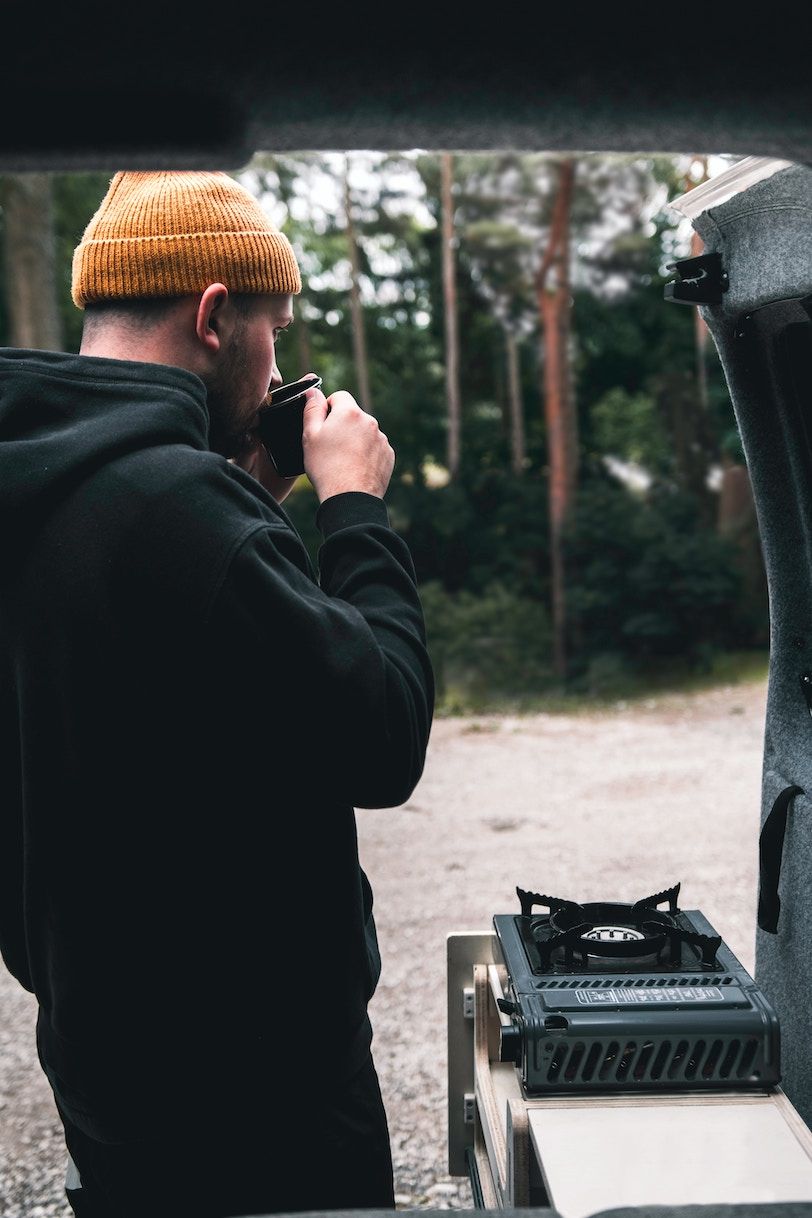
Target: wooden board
<point x="668" y="1152"/>
<point x="464" y="949"/>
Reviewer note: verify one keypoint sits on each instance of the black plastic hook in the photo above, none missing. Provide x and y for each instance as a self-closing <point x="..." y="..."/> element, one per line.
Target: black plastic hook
<point x="702" y="280"/>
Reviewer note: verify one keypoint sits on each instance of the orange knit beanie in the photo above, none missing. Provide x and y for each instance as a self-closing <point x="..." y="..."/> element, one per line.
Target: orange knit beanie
<point x="172" y="234"/>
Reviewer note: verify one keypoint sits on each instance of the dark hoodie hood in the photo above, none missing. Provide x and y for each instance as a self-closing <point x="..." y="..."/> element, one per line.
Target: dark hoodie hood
<point x="64" y="416"/>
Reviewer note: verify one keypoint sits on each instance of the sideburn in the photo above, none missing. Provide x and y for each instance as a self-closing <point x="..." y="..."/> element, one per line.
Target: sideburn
<point x="226" y="427"/>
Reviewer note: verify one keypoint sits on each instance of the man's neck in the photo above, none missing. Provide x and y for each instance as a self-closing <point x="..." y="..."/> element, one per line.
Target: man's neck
<point x="112" y="346"/>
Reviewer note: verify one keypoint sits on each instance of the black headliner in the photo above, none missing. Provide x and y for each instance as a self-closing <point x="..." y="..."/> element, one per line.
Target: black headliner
<point x="85" y="87"/>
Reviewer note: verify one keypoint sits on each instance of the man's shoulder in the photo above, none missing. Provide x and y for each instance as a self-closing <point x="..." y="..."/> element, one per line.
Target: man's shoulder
<point x="161" y="468"/>
<point x="180" y="479"/>
<point x="183" y="514"/>
<point x="174" y="498"/>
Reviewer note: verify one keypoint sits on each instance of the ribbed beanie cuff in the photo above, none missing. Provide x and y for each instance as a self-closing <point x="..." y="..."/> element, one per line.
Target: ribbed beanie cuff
<point x="172" y="234"/>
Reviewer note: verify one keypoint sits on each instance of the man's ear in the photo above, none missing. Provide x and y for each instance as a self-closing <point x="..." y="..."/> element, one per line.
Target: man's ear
<point x="209" y="317"/>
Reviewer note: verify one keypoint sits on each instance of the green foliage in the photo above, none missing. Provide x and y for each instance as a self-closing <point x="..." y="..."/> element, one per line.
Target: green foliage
<point x="647" y="581"/>
<point x="487" y="645"/>
<point x="626" y="425"/>
<point x="488" y="527"/>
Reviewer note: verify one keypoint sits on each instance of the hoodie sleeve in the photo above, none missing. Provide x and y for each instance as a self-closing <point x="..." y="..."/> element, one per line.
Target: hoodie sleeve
<point x="349" y="650"/>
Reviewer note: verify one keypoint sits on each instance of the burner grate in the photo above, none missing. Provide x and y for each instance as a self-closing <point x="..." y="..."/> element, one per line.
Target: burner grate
<point x="603" y="932"/>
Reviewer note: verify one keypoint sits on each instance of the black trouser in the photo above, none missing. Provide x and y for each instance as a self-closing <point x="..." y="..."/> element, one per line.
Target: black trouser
<point x="314" y="1152"/>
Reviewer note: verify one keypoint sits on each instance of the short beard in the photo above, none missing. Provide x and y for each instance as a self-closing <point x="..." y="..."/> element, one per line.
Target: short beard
<point x="227" y="429"/>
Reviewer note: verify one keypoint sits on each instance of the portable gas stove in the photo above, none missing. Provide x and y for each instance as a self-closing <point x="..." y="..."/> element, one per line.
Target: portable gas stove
<point x="611" y="997"/>
<point x="607" y="1025"/>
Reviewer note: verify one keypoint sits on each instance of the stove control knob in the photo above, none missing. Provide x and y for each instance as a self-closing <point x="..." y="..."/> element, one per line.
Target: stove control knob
<point x="510" y="1042"/>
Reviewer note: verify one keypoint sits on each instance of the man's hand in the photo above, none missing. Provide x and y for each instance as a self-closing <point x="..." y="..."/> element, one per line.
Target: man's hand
<point x="344" y="448"/>
<point x="254" y="460"/>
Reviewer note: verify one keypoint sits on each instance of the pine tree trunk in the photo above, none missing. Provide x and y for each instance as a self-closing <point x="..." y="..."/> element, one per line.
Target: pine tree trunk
<point x="554" y="305"/>
<point x="356" y="310"/>
<point x="452" y="356"/>
<point x="30" y="257"/>
<point x="517" y="444"/>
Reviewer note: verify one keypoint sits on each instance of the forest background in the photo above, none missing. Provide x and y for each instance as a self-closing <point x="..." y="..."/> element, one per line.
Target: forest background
<point x="569" y="475"/>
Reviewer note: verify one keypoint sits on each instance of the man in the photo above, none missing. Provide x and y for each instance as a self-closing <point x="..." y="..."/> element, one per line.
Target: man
<point x="189" y="718"/>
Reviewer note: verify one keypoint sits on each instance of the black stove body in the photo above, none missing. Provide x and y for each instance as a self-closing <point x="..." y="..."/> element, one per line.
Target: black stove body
<point x="606" y="997"/>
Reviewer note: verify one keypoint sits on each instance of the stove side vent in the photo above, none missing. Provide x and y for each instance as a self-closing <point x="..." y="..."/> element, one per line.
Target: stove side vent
<point x="670" y="1062"/>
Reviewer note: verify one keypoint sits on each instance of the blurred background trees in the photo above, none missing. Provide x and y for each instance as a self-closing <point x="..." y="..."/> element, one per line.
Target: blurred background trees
<point x="569" y="475"/>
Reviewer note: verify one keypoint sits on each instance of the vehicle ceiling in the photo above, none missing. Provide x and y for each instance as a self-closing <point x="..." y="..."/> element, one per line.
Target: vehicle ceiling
<point x="182" y="90"/>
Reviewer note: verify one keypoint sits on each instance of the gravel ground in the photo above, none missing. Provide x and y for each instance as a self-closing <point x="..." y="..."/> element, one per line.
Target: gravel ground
<point x="611" y="805"/>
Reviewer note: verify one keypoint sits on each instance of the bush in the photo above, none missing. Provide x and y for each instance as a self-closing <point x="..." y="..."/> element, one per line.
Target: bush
<point x="647" y="580"/>
<point x="489" y="528"/>
<point x="485" y="646"/>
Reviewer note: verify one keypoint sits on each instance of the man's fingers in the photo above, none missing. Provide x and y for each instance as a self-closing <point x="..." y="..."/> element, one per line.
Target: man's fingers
<point x="341" y="401"/>
<point x="316" y="407"/>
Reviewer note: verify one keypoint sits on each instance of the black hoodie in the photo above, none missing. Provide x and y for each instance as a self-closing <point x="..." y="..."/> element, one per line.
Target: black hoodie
<point x="188" y="719"/>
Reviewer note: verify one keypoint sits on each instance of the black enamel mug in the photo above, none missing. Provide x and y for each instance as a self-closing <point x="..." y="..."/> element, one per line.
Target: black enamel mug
<point x="280" y="425"/>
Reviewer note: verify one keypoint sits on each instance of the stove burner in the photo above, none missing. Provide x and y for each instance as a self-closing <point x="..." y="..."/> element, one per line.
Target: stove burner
<point x="613" y="932"/>
<point x="609" y="931"/>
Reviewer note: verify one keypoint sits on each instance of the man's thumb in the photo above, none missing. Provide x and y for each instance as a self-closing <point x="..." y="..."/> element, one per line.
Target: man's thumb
<point x="316" y="408"/>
